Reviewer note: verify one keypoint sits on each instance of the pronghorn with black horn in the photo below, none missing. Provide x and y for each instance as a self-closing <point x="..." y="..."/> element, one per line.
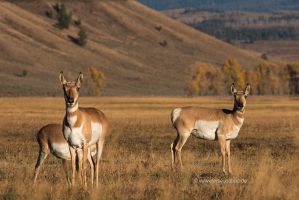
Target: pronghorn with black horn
<point x="210" y="124"/>
<point x="82" y="127"/>
<point x="50" y="140"/>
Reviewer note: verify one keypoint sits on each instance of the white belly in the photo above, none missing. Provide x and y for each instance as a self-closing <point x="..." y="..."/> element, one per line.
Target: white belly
<point x="61" y="150"/>
<point x="74" y="136"/>
<point x="96" y="131"/>
<point x="205" y="129"/>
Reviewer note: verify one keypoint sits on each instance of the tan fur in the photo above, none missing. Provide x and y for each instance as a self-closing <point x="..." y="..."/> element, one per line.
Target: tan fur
<point x="83" y="117"/>
<point x="86" y="116"/>
<point x="189" y="115"/>
<point x="46" y="137"/>
<point x="50" y="133"/>
<point x="227" y="124"/>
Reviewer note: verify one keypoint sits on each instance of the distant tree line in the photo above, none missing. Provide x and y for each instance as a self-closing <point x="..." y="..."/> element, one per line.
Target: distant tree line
<point x="219" y="29"/>
<point x="284" y="17"/>
<point x="265" y="79"/>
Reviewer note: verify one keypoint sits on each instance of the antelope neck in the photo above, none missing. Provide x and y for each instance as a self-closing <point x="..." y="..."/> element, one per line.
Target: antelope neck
<point x="72" y="113"/>
<point x="72" y="109"/>
<point x="239" y="113"/>
<point x="238" y="116"/>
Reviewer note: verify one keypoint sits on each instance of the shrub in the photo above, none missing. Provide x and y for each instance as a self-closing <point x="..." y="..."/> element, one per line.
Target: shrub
<point x="64" y="18"/>
<point x="158" y="28"/>
<point x="163" y="43"/>
<point x="24" y="73"/>
<point x="78" y="22"/>
<point x="82" y="38"/>
<point x="49" y="14"/>
<point x="264" y="56"/>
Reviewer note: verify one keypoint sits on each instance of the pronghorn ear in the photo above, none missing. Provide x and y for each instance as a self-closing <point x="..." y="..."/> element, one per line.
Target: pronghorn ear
<point x="62" y="79"/>
<point x="233" y="89"/>
<point x="247" y="90"/>
<point x="79" y="80"/>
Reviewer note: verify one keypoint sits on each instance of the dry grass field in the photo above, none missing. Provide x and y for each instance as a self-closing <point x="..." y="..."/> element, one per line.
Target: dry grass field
<point x="136" y="158"/>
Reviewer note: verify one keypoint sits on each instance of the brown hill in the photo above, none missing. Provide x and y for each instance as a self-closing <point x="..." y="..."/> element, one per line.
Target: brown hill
<point x="141" y="51"/>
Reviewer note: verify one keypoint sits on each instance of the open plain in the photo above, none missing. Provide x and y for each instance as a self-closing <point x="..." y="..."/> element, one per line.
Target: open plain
<point x="136" y="162"/>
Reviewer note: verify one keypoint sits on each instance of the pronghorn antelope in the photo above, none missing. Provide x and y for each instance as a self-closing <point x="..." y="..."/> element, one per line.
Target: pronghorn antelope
<point x="210" y="124"/>
<point x="50" y="139"/>
<point x="82" y="127"/>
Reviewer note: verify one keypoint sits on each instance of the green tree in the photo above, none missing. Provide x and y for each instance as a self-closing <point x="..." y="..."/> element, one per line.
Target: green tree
<point x="82" y="37"/>
<point x="64" y="18"/>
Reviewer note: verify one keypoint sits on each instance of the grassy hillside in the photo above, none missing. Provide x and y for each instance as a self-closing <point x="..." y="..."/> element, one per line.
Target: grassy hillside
<point x="141" y="51"/>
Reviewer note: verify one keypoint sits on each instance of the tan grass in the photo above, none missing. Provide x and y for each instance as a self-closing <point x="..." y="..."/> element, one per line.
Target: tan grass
<point x="136" y="158"/>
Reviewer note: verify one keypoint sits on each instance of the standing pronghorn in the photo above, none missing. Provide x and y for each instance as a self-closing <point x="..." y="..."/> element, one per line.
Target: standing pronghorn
<point x="82" y="127"/>
<point x="50" y="139"/>
<point x="209" y="124"/>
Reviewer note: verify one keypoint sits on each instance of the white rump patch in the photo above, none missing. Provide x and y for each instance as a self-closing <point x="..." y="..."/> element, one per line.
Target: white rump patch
<point x="61" y="150"/>
<point x="205" y="129"/>
<point x="96" y="131"/>
<point x="74" y="136"/>
<point x="175" y="114"/>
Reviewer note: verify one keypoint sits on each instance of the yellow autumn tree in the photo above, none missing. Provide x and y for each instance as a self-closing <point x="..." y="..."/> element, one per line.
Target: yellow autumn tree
<point x="265" y="79"/>
<point x="272" y="79"/>
<point x="98" y="81"/>
<point x="232" y="73"/>
<point x="206" y="81"/>
<point x="252" y="78"/>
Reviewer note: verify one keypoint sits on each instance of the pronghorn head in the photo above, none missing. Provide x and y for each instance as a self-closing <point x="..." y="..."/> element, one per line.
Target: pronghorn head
<point x="240" y="97"/>
<point x="71" y="89"/>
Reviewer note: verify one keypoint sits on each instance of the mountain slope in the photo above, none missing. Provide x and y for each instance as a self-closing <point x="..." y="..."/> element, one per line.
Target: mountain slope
<point x="141" y="51"/>
<point x="225" y="5"/>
